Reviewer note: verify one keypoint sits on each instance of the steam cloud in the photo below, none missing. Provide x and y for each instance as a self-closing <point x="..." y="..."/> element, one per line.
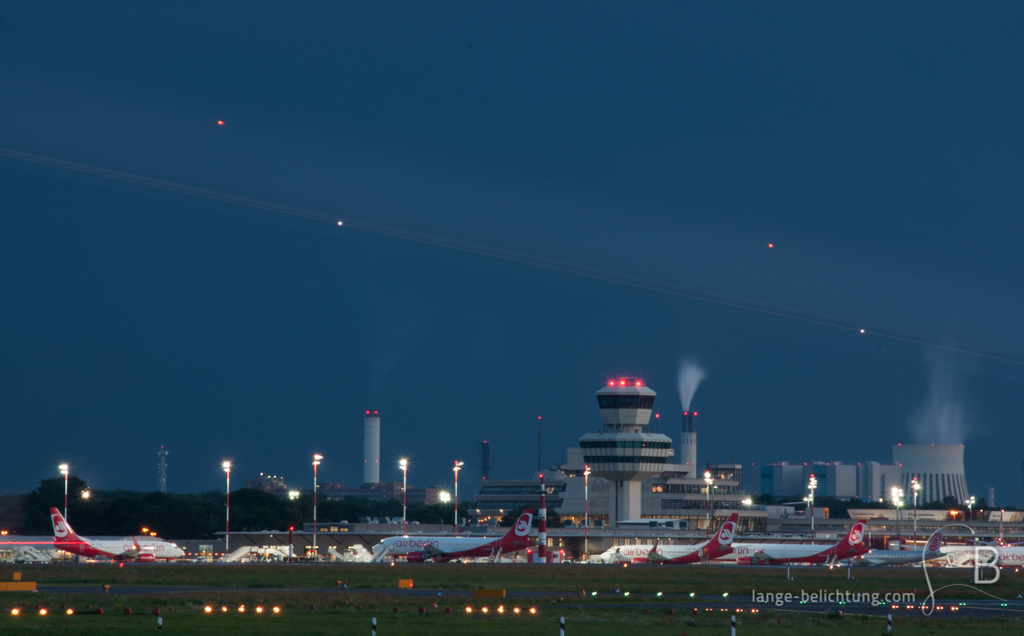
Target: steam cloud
<point x="690" y="376"/>
<point x="941" y="418"/>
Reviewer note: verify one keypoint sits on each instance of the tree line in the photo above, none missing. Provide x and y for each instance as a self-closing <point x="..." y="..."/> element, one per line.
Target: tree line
<point x="200" y="515"/>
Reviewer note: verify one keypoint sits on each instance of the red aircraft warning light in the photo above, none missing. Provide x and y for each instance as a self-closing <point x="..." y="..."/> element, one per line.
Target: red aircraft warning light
<point x="220" y="122"/>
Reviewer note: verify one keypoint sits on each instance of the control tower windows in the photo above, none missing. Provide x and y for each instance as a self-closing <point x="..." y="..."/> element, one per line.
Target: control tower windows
<point x="625" y="401"/>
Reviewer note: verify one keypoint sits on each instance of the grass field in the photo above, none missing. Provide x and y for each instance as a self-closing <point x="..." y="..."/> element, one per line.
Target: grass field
<point x="186" y="615"/>
<point x="311" y="603"/>
<point x="713" y="580"/>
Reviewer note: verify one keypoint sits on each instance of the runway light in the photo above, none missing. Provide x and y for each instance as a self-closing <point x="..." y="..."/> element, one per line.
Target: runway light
<point x="469" y="610"/>
<point x="207" y="609"/>
<point x="259" y="610"/>
<point x="533" y="610"/>
<point x="501" y="609"/>
<point x="70" y="611"/>
<point x="725" y="595"/>
<point x="515" y="610"/>
<point x="241" y="609"/>
<point x="659" y="593"/>
<point x="625" y="593"/>
<point x="15" y="611"/>
<point x="277" y="610"/>
<point x="593" y="593"/>
<point x="224" y="608"/>
<point x="691" y="594"/>
<point x="484" y="610"/>
<point x="42" y="611"/>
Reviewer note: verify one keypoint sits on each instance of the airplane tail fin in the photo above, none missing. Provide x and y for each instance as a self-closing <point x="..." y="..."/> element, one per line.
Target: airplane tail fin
<point x="62" y="532"/>
<point x="722" y="541"/>
<point x="934" y="542"/>
<point x="519" y="532"/>
<point x="855" y="536"/>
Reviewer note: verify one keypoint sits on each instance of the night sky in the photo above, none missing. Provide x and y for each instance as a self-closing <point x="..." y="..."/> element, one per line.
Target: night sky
<point x="591" y="157"/>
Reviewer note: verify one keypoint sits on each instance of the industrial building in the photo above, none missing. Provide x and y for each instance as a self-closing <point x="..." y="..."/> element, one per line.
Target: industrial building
<point x="938" y="468"/>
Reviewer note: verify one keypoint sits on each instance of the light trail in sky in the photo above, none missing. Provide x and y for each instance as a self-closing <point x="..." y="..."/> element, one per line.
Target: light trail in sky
<point x="721" y="299"/>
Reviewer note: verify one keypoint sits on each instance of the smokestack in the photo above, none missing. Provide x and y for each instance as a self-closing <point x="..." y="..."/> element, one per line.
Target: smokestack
<point x="161" y="470"/>
<point x="371" y="448"/>
<point x="688" y="444"/>
<point x="485" y="460"/>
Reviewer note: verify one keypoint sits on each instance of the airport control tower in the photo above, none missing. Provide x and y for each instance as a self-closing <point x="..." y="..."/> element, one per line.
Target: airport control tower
<point x="622" y="452"/>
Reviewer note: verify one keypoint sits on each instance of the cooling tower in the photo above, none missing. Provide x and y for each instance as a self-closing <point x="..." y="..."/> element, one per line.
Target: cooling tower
<point x="939" y="469"/>
<point x="371" y="448"/>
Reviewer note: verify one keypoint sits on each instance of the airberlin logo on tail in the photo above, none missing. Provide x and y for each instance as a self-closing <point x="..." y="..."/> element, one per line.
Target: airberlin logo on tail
<point x="60" y="529"/>
<point x="523" y="525"/>
<point x="936" y="542"/>
<point x="725" y="534"/>
<point x="856" y="533"/>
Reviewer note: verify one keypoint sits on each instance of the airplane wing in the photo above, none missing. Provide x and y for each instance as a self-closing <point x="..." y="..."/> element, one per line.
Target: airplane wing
<point x="131" y="552"/>
<point x="429" y="552"/>
<point x="653" y="556"/>
<point x="759" y="556"/>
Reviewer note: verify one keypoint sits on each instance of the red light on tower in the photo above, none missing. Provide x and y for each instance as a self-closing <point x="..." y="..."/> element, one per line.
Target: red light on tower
<point x="639" y="383"/>
<point x="611" y="382"/>
<point x="622" y="383"/>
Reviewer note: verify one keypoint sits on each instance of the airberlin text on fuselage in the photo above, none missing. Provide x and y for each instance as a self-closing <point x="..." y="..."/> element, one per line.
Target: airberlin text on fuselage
<point x="416" y="543"/>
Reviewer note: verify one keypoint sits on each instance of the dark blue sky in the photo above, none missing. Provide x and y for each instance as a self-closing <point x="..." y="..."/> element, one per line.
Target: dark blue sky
<point x="879" y="148"/>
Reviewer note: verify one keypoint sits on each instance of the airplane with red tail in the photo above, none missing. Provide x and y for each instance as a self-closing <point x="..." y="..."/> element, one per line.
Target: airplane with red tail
<point x="127" y="549"/>
<point x="418" y="549"/>
<point x="848" y="547"/>
<point x="715" y="548"/>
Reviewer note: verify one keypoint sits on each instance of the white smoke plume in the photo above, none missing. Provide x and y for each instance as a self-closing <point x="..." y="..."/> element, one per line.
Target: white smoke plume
<point x="941" y="418"/>
<point x="690" y="376"/>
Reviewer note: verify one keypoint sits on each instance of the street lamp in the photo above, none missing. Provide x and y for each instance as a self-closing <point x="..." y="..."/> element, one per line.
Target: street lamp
<point x="812" y="485"/>
<point x="897" y="500"/>
<point x="404" y="465"/>
<point x="916" y="486"/>
<point x="586" y="510"/>
<point x="227" y="518"/>
<point x="970" y="509"/>
<point x="708" y="479"/>
<point x="748" y="501"/>
<point x="458" y="467"/>
<point x="64" y="471"/>
<point x="444" y="496"/>
<point x="316" y="462"/>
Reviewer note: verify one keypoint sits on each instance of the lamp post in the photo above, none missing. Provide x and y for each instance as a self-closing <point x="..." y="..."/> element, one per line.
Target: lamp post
<point x="916" y="486"/>
<point x="586" y="510"/>
<point x="456" y="469"/>
<point x="970" y="508"/>
<point x="404" y="465"/>
<point x="316" y="462"/>
<point x="64" y="471"/>
<point x="812" y="485"/>
<point x="708" y="479"/>
<point x="227" y="517"/>
<point x="897" y="500"/>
